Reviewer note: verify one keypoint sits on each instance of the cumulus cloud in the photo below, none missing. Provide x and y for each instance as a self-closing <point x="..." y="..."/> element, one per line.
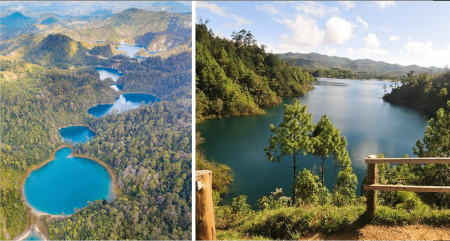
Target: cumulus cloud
<point x="372" y="41"/>
<point x="304" y="31"/>
<point x="384" y="4"/>
<point x="394" y="38"/>
<point x="419" y="47"/>
<point x="316" y="9"/>
<point x="338" y="30"/>
<point x="271" y="10"/>
<point x="364" y="24"/>
<point x="239" y="21"/>
<point x="347" y="4"/>
<point x="212" y="7"/>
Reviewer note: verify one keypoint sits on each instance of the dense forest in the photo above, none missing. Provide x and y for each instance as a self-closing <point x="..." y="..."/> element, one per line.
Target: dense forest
<point x="237" y="77"/>
<point x="423" y="91"/>
<point x="345" y="68"/>
<point x="148" y="148"/>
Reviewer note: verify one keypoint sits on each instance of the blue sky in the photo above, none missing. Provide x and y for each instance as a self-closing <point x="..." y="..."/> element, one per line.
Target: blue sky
<point x="395" y="32"/>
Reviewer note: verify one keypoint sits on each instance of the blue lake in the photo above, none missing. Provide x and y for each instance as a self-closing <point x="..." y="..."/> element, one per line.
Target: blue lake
<point x="130" y="48"/>
<point x="65" y="183"/>
<point x="76" y="134"/>
<point x="370" y="125"/>
<point x="123" y="103"/>
<point x="117" y="87"/>
<point x="33" y="235"/>
<point x="108" y="72"/>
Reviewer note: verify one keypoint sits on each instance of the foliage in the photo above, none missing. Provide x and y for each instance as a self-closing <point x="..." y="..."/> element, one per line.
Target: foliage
<point x="237" y="77"/>
<point x="309" y="190"/>
<point x="344" y="68"/>
<point x="423" y="91"/>
<point x="274" y="201"/>
<point x="106" y="51"/>
<point x="291" y="137"/>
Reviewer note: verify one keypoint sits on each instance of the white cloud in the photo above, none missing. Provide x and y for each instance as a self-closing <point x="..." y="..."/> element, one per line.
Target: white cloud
<point x="305" y="32"/>
<point x="419" y="47"/>
<point x="239" y="21"/>
<point x="372" y="41"/>
<point x="425" y="53"/>
<point x="212" y="7"/>
<point x="394" y="38"/>
<point x="316" y="9"/>
<point x="364" y="24"/>
<point x="384" y="4"/>
<point x="338" y="30"/>
<point x="347" y="4"/>
<point x="268" y="9"/>
<point x="331" y="51"/>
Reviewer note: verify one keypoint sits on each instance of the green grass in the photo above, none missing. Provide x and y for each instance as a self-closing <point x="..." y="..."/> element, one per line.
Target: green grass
<point x="297" y="223"/>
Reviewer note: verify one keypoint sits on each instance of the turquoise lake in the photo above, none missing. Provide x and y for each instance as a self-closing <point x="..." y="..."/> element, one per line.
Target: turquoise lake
<point x="65" y="183"/>
<point x="76" y="134"/>
<point x="108" y="73"/>
<point x="370" y="125"/>
<point x="117" y="87"/>
<point x="123" y="103"/>
<point x="33" y="235"/>
<point x="132" y="49"/>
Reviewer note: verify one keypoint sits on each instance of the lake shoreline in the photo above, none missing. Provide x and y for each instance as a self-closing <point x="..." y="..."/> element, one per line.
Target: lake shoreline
<point x="114" y="181"/>
<point x="85" y="125"/>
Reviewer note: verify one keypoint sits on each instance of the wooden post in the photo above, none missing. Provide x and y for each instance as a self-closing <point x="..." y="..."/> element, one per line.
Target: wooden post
<point x="205" y="224"/>
<point x="372" y="178"/>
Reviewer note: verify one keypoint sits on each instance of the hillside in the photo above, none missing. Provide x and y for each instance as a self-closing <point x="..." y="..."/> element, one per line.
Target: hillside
<point x="135" y="22"/>
<point x="57" y="50"/>
<point x="49" y="21"/>
<point x="234" y="77"/>
<point x="20" y="44"/>
<point x="165" y="40"/>
<point x="422" y="91"/>
<point x="319" y="61"/>
<point x="106" y="51"/>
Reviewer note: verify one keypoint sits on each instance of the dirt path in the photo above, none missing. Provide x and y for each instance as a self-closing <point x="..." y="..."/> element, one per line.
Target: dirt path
<point x="385" y="232"/>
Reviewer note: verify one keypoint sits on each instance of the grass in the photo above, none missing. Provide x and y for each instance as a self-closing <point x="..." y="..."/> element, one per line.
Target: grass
<point x="301" y="222"/>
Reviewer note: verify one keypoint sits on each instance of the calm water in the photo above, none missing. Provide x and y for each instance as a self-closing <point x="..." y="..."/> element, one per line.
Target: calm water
<point x="65" y="183"/>
<point x="108" y="72"/>
<point x="132" y="49"/>
<point x="123" y="102"/>
<point x="76" y="134"/>
<point x="370" y="125"/>
<point x="33" y="235"/>
<point x="117" y="87"/>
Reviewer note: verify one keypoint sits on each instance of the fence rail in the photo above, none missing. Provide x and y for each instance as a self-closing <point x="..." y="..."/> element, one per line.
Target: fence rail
<point x="372" y="178"/>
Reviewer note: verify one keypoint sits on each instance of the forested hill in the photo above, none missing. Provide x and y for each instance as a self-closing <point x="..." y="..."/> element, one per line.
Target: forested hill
<point x="422" y="91"/>
<point x="324" y="65"/>
<point x="237" y="77"/>
<point x="57" y="50"/>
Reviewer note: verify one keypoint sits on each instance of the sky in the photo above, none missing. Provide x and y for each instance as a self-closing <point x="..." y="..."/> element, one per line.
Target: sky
<point x="404" y="33"/>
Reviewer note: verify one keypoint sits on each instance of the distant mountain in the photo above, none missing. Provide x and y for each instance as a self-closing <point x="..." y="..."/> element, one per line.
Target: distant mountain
<point x="316" y="60"/>
<point x="57" y="50"/>
<point x="163" y="41"/>
<point x="136" y="22"/>
<point x="101" y="12"/>
<point x="49" y="21"/>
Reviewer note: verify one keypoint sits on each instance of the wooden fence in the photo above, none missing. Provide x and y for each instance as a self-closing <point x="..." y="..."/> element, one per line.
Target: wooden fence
<point x="372" y="178"/>
<point x="204" y="209"/>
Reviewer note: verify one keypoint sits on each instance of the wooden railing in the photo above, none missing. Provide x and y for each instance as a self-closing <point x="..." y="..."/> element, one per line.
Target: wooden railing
<point x="372" y="178"/>
<point x="204" y="209"/>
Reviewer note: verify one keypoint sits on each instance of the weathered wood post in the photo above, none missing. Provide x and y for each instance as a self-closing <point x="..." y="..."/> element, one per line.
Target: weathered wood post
<point x="205" y="224"/>
<point x="372" y="178"/>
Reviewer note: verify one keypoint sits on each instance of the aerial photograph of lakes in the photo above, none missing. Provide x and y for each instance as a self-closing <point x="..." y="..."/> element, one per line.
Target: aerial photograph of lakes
<point x="96" y="120"/>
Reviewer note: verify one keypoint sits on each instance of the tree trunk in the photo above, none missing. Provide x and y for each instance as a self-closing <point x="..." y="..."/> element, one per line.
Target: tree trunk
<point x="323" y="170"/>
